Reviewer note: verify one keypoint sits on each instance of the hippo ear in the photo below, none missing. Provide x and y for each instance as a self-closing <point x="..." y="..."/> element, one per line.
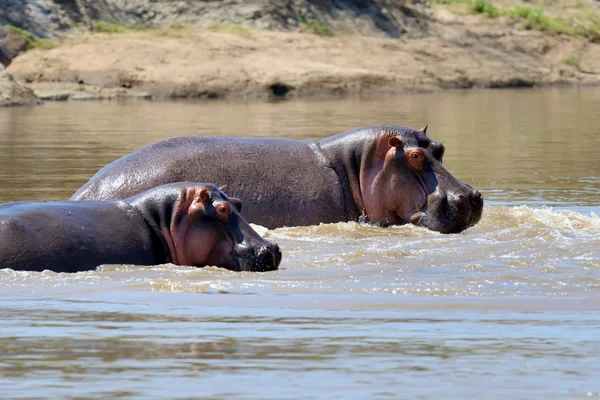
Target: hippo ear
<point x="196" y="200"/>
<point x="204" y="195"/>
<point x="223" y="187"/>
<point x="396" y="142"/>
<point x="424" y="129"/>
<point x="190" y="200"/>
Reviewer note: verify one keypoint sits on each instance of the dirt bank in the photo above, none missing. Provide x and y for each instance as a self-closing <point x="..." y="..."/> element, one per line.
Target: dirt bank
<point x="455" y="45"/>
<point x="461" y="52"/>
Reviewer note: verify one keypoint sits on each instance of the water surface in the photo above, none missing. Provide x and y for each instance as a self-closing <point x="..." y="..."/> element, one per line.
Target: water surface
<point x="507" y="309"/>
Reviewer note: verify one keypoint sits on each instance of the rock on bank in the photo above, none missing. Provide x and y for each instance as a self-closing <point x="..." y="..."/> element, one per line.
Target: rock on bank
<point x="392" y="18"/>
<point x="12" y="93"/>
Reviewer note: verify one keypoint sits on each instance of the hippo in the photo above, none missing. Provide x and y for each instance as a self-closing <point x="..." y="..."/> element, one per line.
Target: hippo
<point x="385" y="175"/>
<point x="183" y="223"/>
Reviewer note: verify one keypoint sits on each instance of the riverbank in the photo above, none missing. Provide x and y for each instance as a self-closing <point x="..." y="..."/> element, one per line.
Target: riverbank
<point x="460" y="49"/>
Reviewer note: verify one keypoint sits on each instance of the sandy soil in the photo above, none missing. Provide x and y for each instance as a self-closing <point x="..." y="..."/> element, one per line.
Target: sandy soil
<point x="462" y="51"/>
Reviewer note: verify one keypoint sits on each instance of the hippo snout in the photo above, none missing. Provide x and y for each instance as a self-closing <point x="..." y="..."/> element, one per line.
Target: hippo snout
<point x="269" y="256"/>
<point x="462" y="210"/>
<point x="452" y="211"/>
<point x="259" y="259"/>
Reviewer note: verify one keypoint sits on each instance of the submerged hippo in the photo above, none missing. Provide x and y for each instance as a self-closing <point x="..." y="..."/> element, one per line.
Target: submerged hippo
<point x="183" y="223"/>
<point x="385" y="175"/>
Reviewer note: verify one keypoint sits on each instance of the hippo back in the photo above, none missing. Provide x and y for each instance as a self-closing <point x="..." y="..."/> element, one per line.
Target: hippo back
<point x="289" y="176"/>
<point x="73" y="236"/>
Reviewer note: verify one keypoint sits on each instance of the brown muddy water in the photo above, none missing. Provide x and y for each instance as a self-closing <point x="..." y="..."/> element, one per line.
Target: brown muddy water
<point x="508" y="309"/>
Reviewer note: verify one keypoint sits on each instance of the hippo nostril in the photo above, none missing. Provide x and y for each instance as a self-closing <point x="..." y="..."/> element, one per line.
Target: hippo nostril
<point x="462" y="198"/>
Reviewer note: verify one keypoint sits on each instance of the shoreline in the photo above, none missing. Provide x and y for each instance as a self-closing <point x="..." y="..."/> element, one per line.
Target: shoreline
<point x="64" y="93"/>
<point x="460" y="52"/>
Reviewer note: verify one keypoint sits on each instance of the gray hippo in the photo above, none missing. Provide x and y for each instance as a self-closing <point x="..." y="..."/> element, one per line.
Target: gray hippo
<point x="186" y="223"/>
<point x="384" y="175"/>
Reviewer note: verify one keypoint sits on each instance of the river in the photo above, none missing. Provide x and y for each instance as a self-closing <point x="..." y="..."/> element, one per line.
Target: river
<point x="507" y="309"/>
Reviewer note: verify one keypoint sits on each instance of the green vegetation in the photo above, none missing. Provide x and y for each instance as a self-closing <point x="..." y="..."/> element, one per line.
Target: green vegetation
<point x="476" y="6"/>
<point x="586" y="24"/>
<point x="452" y="2"/>
<point x="175" y="31"/>
<point x="230" y="27"/>
<point x="578" y="4"/>
<point x="574" y="62"/>
<point x="535" y="19"/>
<point x="107" y="27"/>
<point x="186" y="32"/>
<point x="316" y="27"/>
<point x="33" y="42"/>
<point x="484" y="7"/>
<point x="110" y="27"/>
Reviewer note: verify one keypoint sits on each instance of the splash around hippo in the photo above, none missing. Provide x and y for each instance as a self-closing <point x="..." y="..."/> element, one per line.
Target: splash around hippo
<point x="386" y="175"/>
<point x="182" y="223"/>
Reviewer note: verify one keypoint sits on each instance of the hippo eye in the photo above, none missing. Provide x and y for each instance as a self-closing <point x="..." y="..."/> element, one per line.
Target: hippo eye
<point x="416" y="159"/>
<point x="223" y="211"/>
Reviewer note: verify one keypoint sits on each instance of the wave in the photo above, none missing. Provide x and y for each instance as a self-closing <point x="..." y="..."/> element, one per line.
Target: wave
<point x="512" y="251"/>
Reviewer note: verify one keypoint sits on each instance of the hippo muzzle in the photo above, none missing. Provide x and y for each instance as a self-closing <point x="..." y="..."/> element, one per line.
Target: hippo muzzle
<point x="251" y="251"/>
<point x="257" y="259"/>
<point x="450" y="213"/>
<point x="451" y="207"/>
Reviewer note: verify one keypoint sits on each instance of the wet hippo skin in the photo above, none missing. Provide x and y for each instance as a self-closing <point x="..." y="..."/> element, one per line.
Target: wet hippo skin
<point x="384" y="175"/>
<point x="181" y="223"/>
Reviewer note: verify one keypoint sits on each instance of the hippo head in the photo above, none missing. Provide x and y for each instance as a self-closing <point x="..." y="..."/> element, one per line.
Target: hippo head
<point x="413" y="186"/>
<point x="206" y="228"/>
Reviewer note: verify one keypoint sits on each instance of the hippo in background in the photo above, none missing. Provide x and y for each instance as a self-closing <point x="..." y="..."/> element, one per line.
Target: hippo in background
<point x="386" y="175"/>
<point x="194" y="224"/>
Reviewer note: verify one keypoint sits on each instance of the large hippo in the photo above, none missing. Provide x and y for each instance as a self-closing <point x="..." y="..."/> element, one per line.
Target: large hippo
<point x="183" y="223"/>
<point x="385" y="175"/>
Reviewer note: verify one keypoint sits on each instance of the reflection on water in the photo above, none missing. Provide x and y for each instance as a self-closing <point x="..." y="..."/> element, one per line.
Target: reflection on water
<point x="163" y="351"/>
<point x="302" y="354"/>
<point x="507" y="309"/>
<point x="519" y="146"/>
